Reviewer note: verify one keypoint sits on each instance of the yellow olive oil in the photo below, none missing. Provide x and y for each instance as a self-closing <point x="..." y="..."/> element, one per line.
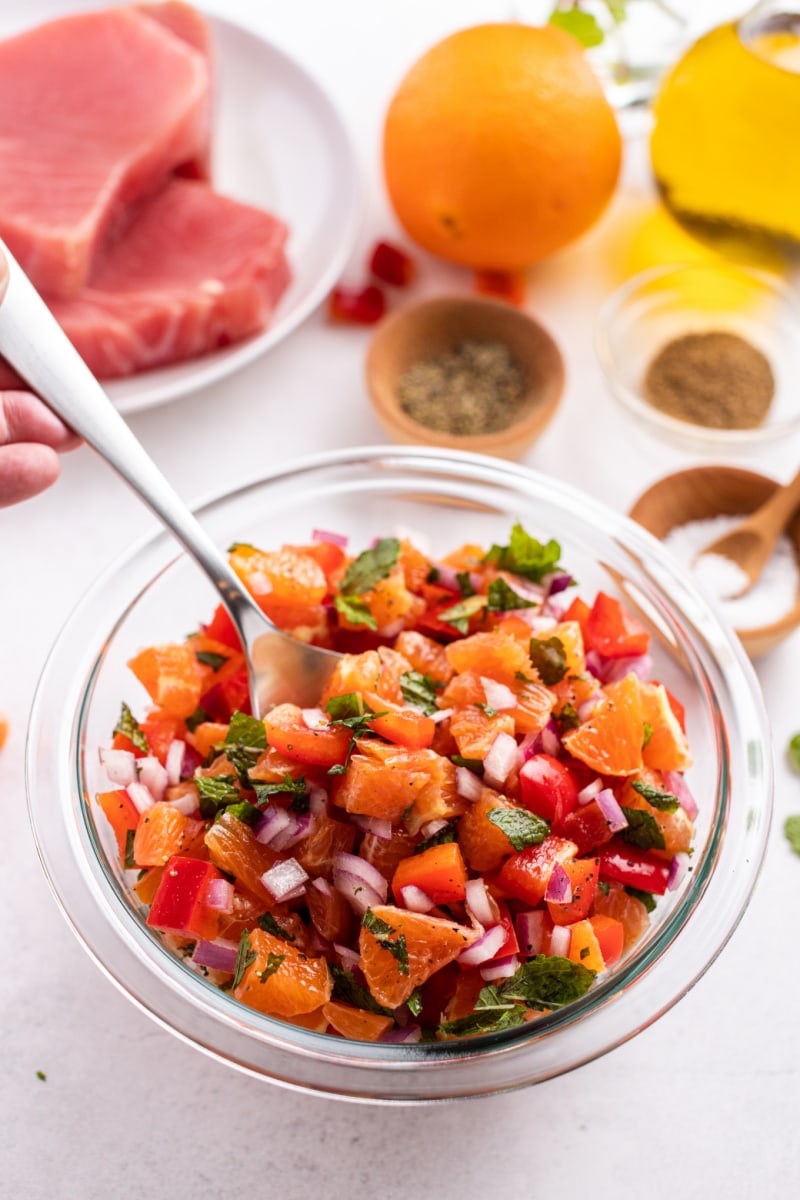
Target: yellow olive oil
<point x="726" y="140"/>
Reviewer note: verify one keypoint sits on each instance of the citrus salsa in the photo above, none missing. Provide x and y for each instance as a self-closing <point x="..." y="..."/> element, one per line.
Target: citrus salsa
<point x="474" y="822"/>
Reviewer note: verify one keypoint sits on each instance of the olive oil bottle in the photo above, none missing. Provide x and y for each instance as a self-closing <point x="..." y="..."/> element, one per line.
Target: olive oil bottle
<point x="725" y="146"/>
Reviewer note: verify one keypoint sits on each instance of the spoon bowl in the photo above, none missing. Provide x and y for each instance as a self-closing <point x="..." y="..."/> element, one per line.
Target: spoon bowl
<point x="702" y="492"/>
<point x="280" y="668"/>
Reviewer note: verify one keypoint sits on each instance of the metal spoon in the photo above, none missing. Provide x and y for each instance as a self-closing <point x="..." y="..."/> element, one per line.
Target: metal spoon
<point x="280" y="668"/>
<point x="750" y="544"/>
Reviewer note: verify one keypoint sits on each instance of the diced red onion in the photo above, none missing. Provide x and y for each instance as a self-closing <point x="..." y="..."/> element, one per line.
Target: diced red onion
<point x="120" y="765"/>
<point x="431" y="828"/>
<point x="498" y="695"/>
<point x="543" y="624"/>
<point x="186" y="804"/>
<point x="342" y="861"/>
<point x="322" y="886"/>
<point x="336" y="539"/>
<point x="594" y="663"/>
<point x="314" y="718"/>
<point x="141" y="796"/>
<point x="587" y="707"/>
<point x="531" y="744"/>
<point x="468" y="784"/>
<point x="479" y="903"/>
<point x="358" y="894"/>
<point x="557" y="581"/>
<point x="446" y="578"/>
<point x="677" y="870"/>
<point x="676" y="784"/>
<point x="285" y="880"/>
<point x="219" y="955"/>
<point x="485" y="948"/>
<point x="560" y="939"/>
<point x="501" y="968"/>
<point x="273" y="820"/>
<point x="408" y="1036"/>
<point x="500" y="761"/>
<point x="559" y="886"/>
<point x="304" y="825"/>
<point x="523" y="587"/>
<point x="153" y="776"/>
<point x="174" y="760"/>
<point x="616" y="670"/>
<point x="317" y="800"/>
<point x="531" y="931"/>
<point x="615" y="817"/>
<point x="378" y="826"/>
<point x="551" y="742"/>
<point x="219" y="895"/>
<point x="286" y="835"/>
<point x="415" y="900"/>
<point x="551" y="608"/>
<point x="441" y="714"/>
<point x="348" y="957"/>
<point x="590" y="791"/>
<point x="191" y="761"/>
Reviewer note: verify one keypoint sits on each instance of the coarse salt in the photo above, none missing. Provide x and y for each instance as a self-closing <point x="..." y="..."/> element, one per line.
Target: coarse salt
<point x="774" y="592"/>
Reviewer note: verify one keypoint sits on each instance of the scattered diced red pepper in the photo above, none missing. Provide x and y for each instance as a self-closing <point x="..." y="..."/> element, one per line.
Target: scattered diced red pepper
<point x="612" y="631"/>
<point x="357" y="306"/>
<point x="179" y="903"/>
<point x="525" y="875"/>
<point x="222" y="629"/>
<point x="392" y="265"/>
<point x="633" y="868"/>
<point x="547" y="788"/>
<point x="610" y="935"/>
<point x="588" y="827"/>
<point x="583" y="877"/>
<point x="510" y="286"/>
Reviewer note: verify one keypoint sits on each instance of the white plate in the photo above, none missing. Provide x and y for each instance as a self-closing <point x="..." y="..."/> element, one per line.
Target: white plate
<point x="278" y="144"/>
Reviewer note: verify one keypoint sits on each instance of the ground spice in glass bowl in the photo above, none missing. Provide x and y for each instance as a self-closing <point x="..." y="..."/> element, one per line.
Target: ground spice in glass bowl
<point x="464" y="373"/>
<point x="716" y="378"/>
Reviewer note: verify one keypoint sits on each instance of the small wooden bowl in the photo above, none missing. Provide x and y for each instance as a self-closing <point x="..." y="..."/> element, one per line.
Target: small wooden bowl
<point x="433" y="327"/>
<point x="701" y="492"/>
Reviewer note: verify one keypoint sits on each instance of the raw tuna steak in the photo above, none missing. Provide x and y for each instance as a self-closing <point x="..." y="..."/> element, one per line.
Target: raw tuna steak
<point x="193" y="272"/>
<point x="95" y="111"/>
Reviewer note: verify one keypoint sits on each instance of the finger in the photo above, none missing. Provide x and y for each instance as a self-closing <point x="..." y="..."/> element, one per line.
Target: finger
<point x="25" y="418"/>
<point x="26" y="470"/>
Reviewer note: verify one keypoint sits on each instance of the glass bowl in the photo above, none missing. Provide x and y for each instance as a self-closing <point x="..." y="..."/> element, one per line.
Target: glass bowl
<point x="663" y="303"/>
<point x="449" y="498"/>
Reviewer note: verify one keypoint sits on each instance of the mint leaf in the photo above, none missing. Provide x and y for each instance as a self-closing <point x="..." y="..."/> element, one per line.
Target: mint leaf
<point x="793" y="750"/>
<point x="791" y="827"/>
<point x="458" y="615"/>
<point x="382" y="932"/>
<point x="503" y="598"/>
<point x="522" y="828"/>
<point x="581" y="25"/>
<point x="472" y="764"/>
<point x="346" y="989"/>
<point x="130" y="861"/>
<point x="659" y="798"/>
<point x="129" y="727"/>
<point x="547" y="981"/>
<point x="414" y="1002"/>
<point x="485" y="1020"/>
<point x="273" y="964"/>
<point x="355" y="610"/>
<point x="568" y="717"/>
<point x="216" y="792"/>
<point x="448" y="833"/>
<point x="549" y="658"/>
<point x="268" y="923"/>
<point x="247" y="731"/>
<point x="244" y="811"/>
<point x="245" y="957"/>
<point x="464" y="584"/>
<point x="420" y="690"/>
<point x="198" y="717"/>
<point x="525" y="555"/>
<point x="642" y="830"/>
<point x="210" y="659"/>
<point x="646" y="898"/>
<point x="297" y="788"/>
<point x="370" y="567"/>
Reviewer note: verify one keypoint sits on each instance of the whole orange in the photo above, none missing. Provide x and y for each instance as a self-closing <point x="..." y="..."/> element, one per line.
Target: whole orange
<point x="499" y="146"/>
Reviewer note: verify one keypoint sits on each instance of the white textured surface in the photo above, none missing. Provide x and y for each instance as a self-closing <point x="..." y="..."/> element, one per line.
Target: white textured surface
<point x="702" y="1105"/>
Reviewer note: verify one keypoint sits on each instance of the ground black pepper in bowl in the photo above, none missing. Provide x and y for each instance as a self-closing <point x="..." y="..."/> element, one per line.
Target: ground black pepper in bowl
<point x="716" y="379"/>
<point x="476" y="388"/>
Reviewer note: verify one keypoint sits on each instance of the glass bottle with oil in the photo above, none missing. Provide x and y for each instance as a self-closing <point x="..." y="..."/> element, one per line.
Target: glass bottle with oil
<point x="726" y="141"/>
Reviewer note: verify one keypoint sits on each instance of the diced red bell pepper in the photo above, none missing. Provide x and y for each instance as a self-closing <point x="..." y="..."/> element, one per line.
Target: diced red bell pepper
<point x="588" y="827"/>
<point x="583" y="876"/>
<point x="525" y="875"/>
<point x="359" y="306"/>
<point x="227" y="697"/>
<point x="548" y="788"/>
<point x="400" y="725"/>
<point x="121" y="814"/>
<point x="439" y="872"/>
<point x="610" y="934"/>
<point x="179" y="903"/>
<point x="392" y="265"/>
<point x="633" y="867"/>
<point x="161" y="729"/>
<point x="578" y="611"/>
<point x="510" y="286"/>
<point x="222" y="629"/>
<point x="122" y="742"/>
<point x="288" y="733"/>
<point x="612" y="631"/>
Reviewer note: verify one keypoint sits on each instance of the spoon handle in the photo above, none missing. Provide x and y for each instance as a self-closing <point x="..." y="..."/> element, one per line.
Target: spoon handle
<point x="34" y="344"/>
<point x="779" y="508"/>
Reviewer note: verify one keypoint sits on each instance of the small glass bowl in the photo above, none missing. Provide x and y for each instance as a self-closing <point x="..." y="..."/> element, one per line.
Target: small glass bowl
<point x="153" y="595"/>
<point x="662" y="303"/>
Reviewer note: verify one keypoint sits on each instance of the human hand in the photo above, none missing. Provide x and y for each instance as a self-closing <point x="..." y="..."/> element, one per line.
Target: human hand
<point x="31" y="438"/>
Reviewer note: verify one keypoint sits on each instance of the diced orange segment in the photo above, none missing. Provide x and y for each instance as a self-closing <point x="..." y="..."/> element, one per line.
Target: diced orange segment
<point x="610" y="739"/>
<point x="282" y="981"/>
<point x="162" y="832"/>
<point x="3" y="730"/>
<point x="483" y="844"/>
<point x="402" y="726"/>
<point x="676" y="828"/>
<point x="206" y="736"/>
<point x="425" y="655"/>
<point x="395" y="783"/>
<point x="626" y="909"/>
<point x="584" y="947"/>
<point x="232" y="847"/>
<point x="475" y="730"/>
<point x="494" y="654"/>
<point x="667" y="748"/>
<point x="172" y="677"/>
<point x="439" y="871"/>
<point x="428" y="944"/>
<point x="121" y="814"/>
<point x="356" y="1023"/>
<point x="288" y="733"/>
<point x="280" y="578"/>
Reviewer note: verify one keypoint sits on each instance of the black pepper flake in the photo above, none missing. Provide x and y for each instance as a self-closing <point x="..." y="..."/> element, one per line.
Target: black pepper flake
<point x="476" y="388"/>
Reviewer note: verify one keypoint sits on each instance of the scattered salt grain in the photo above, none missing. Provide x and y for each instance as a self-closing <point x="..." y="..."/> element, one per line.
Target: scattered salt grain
<point x="772" y="595"/>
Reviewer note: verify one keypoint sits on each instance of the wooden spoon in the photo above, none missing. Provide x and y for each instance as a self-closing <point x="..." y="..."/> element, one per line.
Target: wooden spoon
<point x="750" y="544"/>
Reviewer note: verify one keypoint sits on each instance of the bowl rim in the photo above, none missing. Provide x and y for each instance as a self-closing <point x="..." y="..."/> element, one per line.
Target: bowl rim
<point x="390" y="1074"/>
<point x="687" y="431"/>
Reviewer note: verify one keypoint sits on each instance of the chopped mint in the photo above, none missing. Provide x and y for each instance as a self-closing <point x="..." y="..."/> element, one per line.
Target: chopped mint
<point x="129" y="727"/>
<point x="245" y="730"/>
<point x="642" y="830"/>
<point x="355" y="611"/>
<point x="346" y="989"/>
<point x="273" y="964"/>
<point x="130" y="861"/>
<point x="370" y="567"/>
<point x="549" y="658"/>
<point x="268" y="923"/>
<point x="502" y="597"/>
<point x="458" y="615"/>
<point x="420" y="690"/>
<point x="525" y="555"/>
<point x="793" y="751"/>
<point x="659" y="798"/>
<point x="382" y="932"/>
<point x="216" y="792"/>
<point x="791" y="827"/>
<point x="245" y="957"/>
<point x="210" y="659"/>
<point x="646" y="898"/>
<point x="448" y="833"/>
<point x="522" y="828"/>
